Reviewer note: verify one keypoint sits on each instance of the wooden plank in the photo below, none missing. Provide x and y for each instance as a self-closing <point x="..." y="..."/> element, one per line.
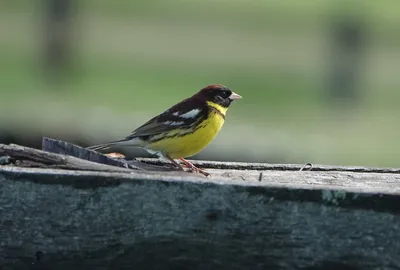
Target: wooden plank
<point x="64" y="155"/>
<point x="278" y="167"/>
<point x="29" y="157"/>
<point x="69" y="219"/>
<point x="65" y="148"/>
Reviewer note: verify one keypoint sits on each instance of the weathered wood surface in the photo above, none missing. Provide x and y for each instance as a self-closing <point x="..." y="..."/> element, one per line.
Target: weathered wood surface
<point x="65" y="148"/>
<point x="28" y="157"/>
<point x="323" y="219"/>
<point x="62" y="155"/>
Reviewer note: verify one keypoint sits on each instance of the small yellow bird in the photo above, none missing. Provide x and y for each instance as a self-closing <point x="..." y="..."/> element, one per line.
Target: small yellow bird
<point x="183" y="130"/>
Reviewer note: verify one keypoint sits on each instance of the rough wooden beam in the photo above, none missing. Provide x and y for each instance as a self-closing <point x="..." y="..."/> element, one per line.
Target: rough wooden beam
<point x="278" y="167"/>
<point x="64" y="155"/>
<point x="69" y="219"/>
<point x="29" y="157"/>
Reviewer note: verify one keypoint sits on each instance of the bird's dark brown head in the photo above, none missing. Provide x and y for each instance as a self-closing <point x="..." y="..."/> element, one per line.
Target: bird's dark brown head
<point x="218" y="94"/>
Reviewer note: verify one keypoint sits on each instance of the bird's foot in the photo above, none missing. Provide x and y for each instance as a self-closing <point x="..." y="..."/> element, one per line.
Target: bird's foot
<point x="194" y="168"/>
<point x="176" y="164"/>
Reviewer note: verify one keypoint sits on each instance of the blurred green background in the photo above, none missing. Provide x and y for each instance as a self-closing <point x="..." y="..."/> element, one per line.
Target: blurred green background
<point x="319" y="79"/>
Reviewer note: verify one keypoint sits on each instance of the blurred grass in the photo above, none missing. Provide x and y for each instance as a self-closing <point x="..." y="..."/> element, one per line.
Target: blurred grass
<point x="135" y="60"/>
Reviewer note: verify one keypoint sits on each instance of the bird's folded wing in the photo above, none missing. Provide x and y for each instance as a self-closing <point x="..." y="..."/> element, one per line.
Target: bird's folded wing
<point x="172" y="119"/>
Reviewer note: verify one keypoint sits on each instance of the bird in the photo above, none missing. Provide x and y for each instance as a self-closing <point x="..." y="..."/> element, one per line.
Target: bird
<point x="184" y="129"/>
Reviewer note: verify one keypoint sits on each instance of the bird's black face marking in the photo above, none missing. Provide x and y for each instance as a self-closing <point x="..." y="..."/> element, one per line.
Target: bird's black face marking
<point x="221" y="97"/>
<point x="218" y="94"/>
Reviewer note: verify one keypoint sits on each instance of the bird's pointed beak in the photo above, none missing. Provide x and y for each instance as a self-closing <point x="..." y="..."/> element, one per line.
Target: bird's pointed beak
<point x="235" y="96"/>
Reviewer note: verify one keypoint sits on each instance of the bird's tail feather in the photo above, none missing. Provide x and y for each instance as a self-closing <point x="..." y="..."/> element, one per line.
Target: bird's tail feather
<point x="108" y="145"/>
<point x="100" y="146"/>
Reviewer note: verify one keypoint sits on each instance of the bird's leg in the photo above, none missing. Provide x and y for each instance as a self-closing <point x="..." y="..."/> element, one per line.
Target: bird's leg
<point x="174" y="162"/>
<point x="193" y="168"/>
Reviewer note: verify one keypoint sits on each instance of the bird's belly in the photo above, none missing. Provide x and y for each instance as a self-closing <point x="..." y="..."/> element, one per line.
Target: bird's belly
<point x="192" y="143"/>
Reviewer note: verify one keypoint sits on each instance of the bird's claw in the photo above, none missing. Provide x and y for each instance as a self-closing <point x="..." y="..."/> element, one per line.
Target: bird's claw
<point x="197" y="170"/>
<point x="193" y="168"/>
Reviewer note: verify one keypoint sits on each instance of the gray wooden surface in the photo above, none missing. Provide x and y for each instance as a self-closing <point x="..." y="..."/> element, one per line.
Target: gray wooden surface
<point x="324" y="219"/>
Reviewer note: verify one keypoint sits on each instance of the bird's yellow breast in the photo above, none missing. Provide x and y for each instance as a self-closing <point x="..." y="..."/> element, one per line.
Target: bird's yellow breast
<point x="184" y="143"/>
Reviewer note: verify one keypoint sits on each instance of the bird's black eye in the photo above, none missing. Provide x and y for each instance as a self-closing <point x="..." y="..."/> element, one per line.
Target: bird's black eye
<point x="225" y="93"/>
